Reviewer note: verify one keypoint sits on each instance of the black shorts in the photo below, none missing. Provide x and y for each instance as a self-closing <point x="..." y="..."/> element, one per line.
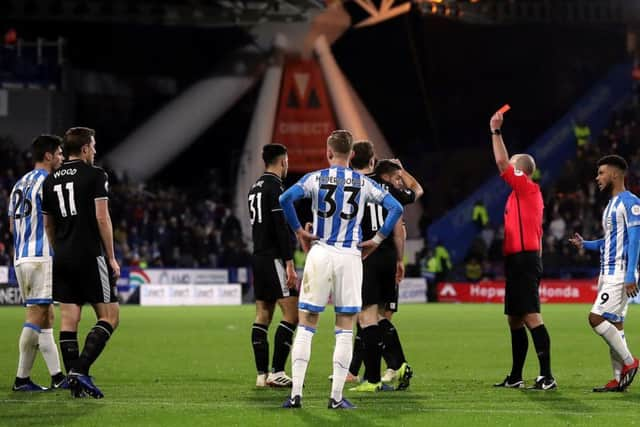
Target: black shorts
<point x="83" y="280"/>
<point x="379" y="279"/>
<point x="523" y="271"/>
<point x="270" y="279"/>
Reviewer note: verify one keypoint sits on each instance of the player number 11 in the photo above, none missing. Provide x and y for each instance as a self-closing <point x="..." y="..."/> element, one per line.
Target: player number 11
<point x="72" y="201"/>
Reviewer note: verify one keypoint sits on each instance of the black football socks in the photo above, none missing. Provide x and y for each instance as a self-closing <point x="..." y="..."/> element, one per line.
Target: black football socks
<point x="93" y="346"/>
<point x="260" y="347"/>
<point x="69" y="349"/>
<point x="282" y="345"/>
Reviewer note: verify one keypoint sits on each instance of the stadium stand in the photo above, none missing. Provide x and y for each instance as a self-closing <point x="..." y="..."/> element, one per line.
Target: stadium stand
<point x="154" y="225"/>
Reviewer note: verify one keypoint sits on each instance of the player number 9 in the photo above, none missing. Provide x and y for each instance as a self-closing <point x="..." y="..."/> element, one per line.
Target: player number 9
<point x="604" y="298"/>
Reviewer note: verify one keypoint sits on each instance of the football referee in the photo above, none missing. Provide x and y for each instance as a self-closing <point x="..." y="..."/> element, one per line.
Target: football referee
<point x="523" y="266"/>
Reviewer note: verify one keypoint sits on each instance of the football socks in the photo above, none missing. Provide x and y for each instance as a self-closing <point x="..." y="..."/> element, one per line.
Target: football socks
<point x="282" y="345"/>
<point x="69" y="348"/>
<point x="300" y="355"/>
<point x="28" y="345"/>
<point x="519" y="347"/>
<point x="260" y="347"/>
<point x="93" y="346"/>
<point x="341" y="361"/>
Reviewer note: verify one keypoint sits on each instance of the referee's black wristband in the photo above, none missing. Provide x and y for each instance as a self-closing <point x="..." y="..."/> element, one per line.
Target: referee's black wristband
<point x="496" y="132"/>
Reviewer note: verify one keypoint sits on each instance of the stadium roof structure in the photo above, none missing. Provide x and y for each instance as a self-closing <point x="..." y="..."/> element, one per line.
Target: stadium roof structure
<point x="216" y="13"/>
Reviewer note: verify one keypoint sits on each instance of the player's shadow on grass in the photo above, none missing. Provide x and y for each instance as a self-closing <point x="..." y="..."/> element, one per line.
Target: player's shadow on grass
<point x="27" y="409"/>
<point x="558" y="402"/>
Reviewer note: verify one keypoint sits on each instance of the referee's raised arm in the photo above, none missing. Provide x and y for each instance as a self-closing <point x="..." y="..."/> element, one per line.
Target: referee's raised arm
<point x="499" y="150"/>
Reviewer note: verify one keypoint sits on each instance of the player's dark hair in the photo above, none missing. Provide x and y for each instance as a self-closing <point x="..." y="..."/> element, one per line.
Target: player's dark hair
<point x="75" y="139"/>
<point x="615" y="161"/>
<point x="271" y="152"/>
<point x="385" y="166"/>
<point x="44" y="144"/>
<point x="341" y="141"/>
<point x="363" y="153"/>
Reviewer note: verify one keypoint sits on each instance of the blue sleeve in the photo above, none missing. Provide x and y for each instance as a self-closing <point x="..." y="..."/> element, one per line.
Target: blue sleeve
<point x="632" y="254"/>
<point x="593" y="245"/>
<point x="395" y="212"/>
<point x="286" y="201"/>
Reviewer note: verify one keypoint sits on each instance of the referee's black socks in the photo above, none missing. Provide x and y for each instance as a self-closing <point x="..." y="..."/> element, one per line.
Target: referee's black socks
<point x="542" y="342"/>
<point x="519" y="348"/>
<point x="392" y="349"/>
<point x="282" y="345"/>
<point x="69" y="348"/>
<point x="260" y="347"/>
<point x="93" y="346"/>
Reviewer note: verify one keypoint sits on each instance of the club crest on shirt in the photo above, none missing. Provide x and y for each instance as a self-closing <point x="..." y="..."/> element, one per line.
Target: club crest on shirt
<point x="635" y="209"/>
<point x="518" y="172"/>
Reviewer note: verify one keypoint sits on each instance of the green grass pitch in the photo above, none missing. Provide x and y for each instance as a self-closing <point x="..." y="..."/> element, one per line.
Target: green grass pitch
<point x="194" y="366"/>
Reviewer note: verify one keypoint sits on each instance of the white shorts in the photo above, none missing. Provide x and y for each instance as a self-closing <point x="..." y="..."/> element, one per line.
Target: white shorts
<point x="35" y="281"/>
<point x="612" y="301"/>
<point x="330" y="271"/>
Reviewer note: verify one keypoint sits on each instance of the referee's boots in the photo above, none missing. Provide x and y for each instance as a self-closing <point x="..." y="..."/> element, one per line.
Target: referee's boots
<point x="507" y="383"/>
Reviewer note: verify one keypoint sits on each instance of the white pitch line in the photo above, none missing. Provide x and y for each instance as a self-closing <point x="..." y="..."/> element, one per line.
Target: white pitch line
<point x="123" y="403"/>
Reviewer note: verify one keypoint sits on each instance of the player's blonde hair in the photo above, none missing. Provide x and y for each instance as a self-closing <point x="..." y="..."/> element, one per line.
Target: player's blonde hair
<point x="341" y="142"/>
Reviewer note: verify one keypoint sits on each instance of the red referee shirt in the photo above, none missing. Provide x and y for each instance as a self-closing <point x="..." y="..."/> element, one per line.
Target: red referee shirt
<point x="523" y="213"/>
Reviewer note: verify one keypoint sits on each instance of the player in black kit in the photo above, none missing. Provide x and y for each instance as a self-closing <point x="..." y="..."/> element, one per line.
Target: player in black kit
<point x="78" y="225"/>
<point x="274" y="275"/>
<point x="382" y="271"/>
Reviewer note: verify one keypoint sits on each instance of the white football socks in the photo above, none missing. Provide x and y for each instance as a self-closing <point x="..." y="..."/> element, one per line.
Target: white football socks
<point x="616" y="343"/>
<point x="49" y="351"/>
<point x="616" y="362"/>
<point x="341" y="360"/>
<point x="28" y="345"/>
<point x="300" y="355"/>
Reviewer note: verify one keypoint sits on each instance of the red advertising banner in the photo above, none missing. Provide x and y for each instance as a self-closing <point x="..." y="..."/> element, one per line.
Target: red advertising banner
<point x="305" y="117"/>
<point x="551" y="291"/>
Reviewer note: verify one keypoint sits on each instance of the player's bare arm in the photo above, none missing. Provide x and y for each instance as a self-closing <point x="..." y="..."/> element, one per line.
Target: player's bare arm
<point x="399" y="237"/>
<point x="106" y="233"/>
<point x="499" y="149"/>
<point x="50" y="229"/>
<point x="292" y="276"/>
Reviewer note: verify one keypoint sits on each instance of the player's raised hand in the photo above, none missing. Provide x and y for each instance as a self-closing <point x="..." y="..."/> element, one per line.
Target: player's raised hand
<point x="496" y="121"/>
<point x="631" y="289"/>
<point x="577" y="241"/>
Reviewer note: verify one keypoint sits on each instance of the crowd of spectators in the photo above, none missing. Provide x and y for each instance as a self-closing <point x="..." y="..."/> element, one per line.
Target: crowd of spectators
<point x="154" y="225"/>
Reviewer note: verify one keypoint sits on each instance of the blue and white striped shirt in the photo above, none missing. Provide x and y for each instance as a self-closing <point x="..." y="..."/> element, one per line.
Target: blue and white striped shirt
<point x="621" y="214"/>
<point x="338" y="199"/>
<point x="25" y="207"/>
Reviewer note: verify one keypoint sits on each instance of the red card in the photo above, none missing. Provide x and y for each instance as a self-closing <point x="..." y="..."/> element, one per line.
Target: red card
<point x="504" y="108"/>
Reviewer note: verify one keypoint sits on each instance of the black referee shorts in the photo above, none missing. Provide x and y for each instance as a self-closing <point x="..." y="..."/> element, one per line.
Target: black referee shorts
<point x="83" y="280"/>
<point x="270" y="279"/>
<point x="523" y="271"/>
<point x="379" y="279"/>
